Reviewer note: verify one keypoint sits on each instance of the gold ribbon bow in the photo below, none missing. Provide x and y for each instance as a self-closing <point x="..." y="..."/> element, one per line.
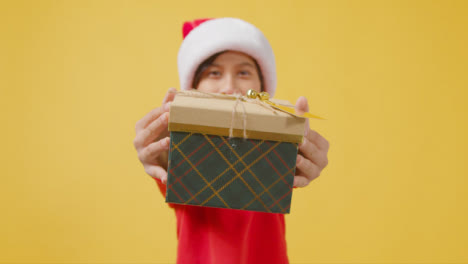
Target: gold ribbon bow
<point x="265" y="97"/>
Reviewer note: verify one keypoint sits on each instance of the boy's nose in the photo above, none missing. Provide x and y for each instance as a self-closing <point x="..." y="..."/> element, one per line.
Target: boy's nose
<point x="228" y="85"/>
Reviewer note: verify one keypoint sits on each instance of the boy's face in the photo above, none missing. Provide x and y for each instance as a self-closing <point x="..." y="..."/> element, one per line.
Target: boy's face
<point x="231" y="72"/>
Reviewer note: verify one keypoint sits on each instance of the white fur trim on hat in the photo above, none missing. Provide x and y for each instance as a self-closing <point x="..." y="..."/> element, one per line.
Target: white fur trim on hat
<point x="223" y="34"/>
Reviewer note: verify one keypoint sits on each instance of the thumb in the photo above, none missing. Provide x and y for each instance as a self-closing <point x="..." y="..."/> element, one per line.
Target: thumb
<point x="170" y="95"/>
<point x="302" y="106"/>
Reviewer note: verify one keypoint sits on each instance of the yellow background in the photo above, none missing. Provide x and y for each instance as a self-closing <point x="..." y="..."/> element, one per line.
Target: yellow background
<point x="389" y="76"/>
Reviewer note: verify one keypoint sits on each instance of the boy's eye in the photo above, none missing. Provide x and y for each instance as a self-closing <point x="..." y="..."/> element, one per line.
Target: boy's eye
<point x="214" y="73"/>
<point x="244" y="73"/>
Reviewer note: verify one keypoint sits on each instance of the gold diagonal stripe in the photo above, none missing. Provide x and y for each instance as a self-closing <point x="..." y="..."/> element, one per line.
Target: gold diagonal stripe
<point x="253" y="163"/>
<point x="207" y="183"/>
<point x="222" y="173"/>
<point x="237" y="175"/>
<point x="273" y="184"/>
<point x="177" y="145"/>
<point x="182" y="141"/>
<point x="251" y="172"/>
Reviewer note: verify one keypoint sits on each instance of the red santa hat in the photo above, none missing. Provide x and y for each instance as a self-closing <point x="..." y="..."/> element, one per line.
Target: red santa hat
<point x="205" y="37"/>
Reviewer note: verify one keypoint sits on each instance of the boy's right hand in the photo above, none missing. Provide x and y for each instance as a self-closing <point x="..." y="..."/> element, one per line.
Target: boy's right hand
<point x="152" y="139"/>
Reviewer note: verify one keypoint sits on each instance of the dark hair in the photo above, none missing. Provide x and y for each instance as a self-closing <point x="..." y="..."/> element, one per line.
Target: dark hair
<point x="207" y="63"/>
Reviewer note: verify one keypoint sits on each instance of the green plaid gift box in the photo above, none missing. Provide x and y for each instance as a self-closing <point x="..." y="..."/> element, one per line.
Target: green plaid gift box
<point x="209" y="168"/>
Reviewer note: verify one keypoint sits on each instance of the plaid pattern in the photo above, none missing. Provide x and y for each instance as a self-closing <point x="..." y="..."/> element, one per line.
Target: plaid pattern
<point x="216" y="171"/>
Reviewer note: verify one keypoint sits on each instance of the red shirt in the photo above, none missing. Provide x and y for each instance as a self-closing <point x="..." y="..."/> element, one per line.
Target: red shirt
<point x="217" y="235"/>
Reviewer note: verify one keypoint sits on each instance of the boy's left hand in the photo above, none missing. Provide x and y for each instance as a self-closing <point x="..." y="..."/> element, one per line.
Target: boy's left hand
<point x="312" y="157"/>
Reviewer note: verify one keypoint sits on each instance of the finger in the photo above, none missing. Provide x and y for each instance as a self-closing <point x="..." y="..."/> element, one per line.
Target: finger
<point x="301" y="181"/>
<point x="308" y="169"/>
<point x="151" y="132"/>
<point x="156" y="172"/>
<point x="150" y="153"/>
<point x="310" y="151"/>
<point x="154" y="130"/>
<point x="151" y="116"/>
<point x="318" y="140"/>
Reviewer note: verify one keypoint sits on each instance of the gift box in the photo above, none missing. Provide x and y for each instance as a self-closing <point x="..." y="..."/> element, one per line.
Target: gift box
<point x="232" y="152"/>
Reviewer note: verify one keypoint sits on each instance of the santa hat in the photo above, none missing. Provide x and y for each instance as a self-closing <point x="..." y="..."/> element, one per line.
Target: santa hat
<point x="206" y="37"/>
